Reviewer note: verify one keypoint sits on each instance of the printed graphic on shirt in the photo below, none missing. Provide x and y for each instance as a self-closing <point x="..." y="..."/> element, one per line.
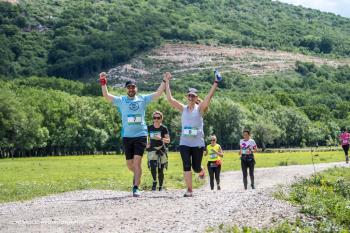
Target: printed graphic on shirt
<point x="132" y="112"/>
<point x="345" y="137"/>
<point x="134" y="106"/>
<point x="155" y="134"/>
<point x="212" y="153"/>
<point x="247" y="146"/>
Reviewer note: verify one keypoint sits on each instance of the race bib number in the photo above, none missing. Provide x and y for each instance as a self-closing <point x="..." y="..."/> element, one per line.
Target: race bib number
<point x="190" y="131"/>
<point x="345" y="141"/>
<point x="154" y="134"/>
<point x="213" y="156"/>
<point x="244" y="151"/>
<point x="134" y="119"/>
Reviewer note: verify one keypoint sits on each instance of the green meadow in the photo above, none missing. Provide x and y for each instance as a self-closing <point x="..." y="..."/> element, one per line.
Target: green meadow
<point x="323" y="198"/>
<point x="26" y="178"/>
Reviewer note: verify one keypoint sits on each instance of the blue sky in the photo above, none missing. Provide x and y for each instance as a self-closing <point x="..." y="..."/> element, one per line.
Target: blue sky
<point x="340" y="7"/>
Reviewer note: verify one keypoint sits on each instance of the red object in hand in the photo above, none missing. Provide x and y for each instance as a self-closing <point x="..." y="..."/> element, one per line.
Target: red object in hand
<point x="103" y="80"/>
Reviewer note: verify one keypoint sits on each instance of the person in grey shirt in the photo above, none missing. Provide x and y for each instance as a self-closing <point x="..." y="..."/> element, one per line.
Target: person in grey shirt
<point x="192" y="135"/>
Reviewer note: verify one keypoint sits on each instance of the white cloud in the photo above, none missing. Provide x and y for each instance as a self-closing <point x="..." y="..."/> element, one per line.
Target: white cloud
<point x="341" y="7"/>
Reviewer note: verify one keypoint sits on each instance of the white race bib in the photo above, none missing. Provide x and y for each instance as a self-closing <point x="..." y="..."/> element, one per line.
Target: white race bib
<point x="190" y="131"/>
<point x="213" y="156"/>
<point x="134" y="119"/>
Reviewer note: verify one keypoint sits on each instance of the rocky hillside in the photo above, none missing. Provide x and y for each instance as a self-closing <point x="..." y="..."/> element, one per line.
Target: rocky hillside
<point x="183" y="58"/>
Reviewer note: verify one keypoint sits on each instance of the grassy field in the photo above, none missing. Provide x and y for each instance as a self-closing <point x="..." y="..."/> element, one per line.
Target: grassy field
<point x="324" y="198"/>
<point x="25" y="178"/>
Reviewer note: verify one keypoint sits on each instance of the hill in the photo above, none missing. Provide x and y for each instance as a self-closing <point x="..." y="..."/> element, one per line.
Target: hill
<point x="286" y="70"/>
<point x="76" y="39"/>
<point x="184" y="59"/>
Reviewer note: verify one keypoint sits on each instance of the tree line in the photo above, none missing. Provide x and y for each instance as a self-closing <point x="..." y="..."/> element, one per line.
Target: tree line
<point x="47" y="116"/>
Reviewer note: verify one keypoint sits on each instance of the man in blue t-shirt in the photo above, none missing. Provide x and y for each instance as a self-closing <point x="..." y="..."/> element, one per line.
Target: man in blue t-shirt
<point x="132" y="108"/>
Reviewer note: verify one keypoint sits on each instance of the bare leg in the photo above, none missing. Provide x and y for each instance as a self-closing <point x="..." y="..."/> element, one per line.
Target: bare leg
<point x="188" y="180"/>
<point x="137" y="169"/>
<point x="130" y="164"/>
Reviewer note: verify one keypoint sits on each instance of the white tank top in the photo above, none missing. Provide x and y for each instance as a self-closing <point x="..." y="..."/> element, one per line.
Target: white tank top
<point x="192" y="133"/>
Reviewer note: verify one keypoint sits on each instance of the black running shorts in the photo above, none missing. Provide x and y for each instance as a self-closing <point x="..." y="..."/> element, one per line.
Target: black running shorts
<point x="134" y="146"/>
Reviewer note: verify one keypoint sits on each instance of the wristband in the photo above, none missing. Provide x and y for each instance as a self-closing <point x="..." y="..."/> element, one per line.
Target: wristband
<point x="103" y="81"/>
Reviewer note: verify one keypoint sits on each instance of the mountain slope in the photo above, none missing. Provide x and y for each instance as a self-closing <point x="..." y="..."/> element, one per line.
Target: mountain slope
<point x="183" y="59"/>
<point x="77" y="39"/>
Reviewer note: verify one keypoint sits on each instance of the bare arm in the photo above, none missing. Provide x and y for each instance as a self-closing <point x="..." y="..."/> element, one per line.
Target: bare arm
<point x="159" y="91"/>
<point x="220" y="153"/>
<point x="166" y="139"/>
<point x="205" y="103"/>
<point x="103" y="80"/>
<point x="173" y="102"/>
<point x="148" y="142"/>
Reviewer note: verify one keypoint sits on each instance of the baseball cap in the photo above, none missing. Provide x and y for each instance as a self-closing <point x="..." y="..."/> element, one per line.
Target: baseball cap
<point x="130" y="82"/>
<point x="192" y="91"/>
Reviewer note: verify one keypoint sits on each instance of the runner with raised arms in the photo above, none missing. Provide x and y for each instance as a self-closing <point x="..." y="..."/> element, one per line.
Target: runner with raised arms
<point x="132" y="108"/>
<point x="192" y="135"/>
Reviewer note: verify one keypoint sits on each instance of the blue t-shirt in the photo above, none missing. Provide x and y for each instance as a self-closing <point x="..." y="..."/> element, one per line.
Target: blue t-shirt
<point x="133" y="114"/>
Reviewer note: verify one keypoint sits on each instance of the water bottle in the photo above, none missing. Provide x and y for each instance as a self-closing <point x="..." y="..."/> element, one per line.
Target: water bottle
<point x="217" y="75"/>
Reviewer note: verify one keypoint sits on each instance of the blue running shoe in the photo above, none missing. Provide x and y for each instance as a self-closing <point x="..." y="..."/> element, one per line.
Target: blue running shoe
<point x="136" y="192"/>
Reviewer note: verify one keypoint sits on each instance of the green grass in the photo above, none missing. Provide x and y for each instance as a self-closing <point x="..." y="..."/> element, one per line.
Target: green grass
<point x="25" y="178"/>
<point x="324" y="198"/>
<point x="232" y="162"/>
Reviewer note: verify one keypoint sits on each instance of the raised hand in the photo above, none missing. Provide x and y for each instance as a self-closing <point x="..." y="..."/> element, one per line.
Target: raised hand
<point x="167" y="76"/>
<point x="217" y="75"/>
<point x="103" y="78"/>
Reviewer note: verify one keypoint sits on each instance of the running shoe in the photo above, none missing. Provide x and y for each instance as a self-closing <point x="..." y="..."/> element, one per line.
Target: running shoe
<point x="219" y="188"/>
<point x="154" y="186"/>
<point x="136" y="192"/>
<point x="201" y="175"/>
<point x="160" y="188"/>
<point x="188" y="194"/>
<point x="253" y="187"/>
<point x="347" y="159"/>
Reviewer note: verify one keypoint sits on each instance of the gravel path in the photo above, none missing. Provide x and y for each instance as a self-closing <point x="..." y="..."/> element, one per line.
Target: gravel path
<point x="115" y="211"/>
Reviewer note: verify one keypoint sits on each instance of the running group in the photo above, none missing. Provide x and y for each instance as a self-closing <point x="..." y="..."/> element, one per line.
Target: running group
<point x="138" y="137"/>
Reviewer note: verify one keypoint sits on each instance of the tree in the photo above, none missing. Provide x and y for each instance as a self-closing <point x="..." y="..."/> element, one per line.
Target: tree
<point x="265" y="132"/>
<point x="225" y="119"/>
<point x="326" y="45"/>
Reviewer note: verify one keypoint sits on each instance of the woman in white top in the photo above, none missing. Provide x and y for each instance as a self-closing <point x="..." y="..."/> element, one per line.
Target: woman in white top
<point x="247" y="149"/>
<point x="192" y="136"/>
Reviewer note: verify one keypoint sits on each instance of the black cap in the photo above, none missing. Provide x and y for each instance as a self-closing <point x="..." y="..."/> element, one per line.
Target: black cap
<point x="130" y="82"/>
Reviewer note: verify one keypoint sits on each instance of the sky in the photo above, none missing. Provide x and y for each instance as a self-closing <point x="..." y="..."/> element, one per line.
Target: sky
<point x="340" y="7"/>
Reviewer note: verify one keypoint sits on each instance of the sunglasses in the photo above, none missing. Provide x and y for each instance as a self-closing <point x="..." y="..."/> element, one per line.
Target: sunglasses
<point x="131" y="87"/>
<point x="157" y="118"/>
<point x="213" y="140"/>
<point x="191" y="96"/>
